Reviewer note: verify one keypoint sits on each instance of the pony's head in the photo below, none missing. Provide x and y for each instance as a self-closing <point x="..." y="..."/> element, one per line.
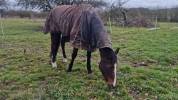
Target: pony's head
<point x="108" y="65"/>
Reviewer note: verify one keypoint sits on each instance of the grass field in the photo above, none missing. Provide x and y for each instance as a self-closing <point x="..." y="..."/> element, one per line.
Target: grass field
<point x="148" y="66"/>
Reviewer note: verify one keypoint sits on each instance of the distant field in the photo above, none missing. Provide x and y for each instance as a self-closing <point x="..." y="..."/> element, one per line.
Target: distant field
<point x="148" y="65"/>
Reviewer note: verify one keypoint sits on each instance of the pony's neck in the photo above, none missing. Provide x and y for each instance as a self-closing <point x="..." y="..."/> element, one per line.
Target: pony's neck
<point x="102" y="55"/>
<point x="107" y="54"/>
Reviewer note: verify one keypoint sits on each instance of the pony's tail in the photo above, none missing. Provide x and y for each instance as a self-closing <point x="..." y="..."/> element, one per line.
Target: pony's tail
<point x="46" y="27"/>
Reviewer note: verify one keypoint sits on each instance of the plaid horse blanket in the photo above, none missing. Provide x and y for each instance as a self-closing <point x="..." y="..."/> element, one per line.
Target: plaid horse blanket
<point x="81" y="23"/>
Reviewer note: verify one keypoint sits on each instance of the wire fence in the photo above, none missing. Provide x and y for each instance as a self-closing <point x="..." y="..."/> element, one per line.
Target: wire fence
<point x="148" y="22"/>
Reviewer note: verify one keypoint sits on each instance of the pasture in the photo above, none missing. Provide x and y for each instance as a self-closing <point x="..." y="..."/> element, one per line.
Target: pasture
<point x="148" y="67"/>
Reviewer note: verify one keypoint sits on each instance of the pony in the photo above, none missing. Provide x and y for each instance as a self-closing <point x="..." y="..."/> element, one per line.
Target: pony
<point x="83" y="28"/>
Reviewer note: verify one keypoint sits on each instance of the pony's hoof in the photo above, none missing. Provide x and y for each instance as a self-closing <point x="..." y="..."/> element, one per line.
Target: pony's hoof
<point x="69" y="70"/>
<point x="90" y="76"/>
<point x="64" y="60"/>
<point x="54" y="64"/>
<point x="90" y="72"/>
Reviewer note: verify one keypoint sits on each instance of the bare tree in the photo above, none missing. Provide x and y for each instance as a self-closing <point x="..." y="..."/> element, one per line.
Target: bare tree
<point x="3" y="3"/>
<point x="47" y="5"/>
<point x="119" y="5"/>
<point x="3" y="6"/>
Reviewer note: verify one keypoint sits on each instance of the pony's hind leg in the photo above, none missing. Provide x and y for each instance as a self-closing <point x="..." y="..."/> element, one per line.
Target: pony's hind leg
<point x="74" y="55"/>
<point x="63" y="40"/>
<point x="89" y="62"/>
<point x="55" y="42"/>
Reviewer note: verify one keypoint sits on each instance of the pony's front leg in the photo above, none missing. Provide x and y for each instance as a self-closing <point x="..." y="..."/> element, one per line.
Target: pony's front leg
<point x="89" y="62"/>
<point x="74" y="55"/>
<point x="63" y="40"/>
<point x="55" y="42"/>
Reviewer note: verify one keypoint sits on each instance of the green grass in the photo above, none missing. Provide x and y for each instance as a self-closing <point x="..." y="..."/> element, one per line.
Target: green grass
<point x="29" y="76"/>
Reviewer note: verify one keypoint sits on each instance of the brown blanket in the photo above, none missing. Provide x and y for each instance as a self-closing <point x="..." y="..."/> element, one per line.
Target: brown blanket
<point x="81" y="23"/>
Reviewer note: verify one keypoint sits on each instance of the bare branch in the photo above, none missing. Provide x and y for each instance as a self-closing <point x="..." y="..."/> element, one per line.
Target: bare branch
<point x="121" y="3"/>
<point x="47" y="5"/>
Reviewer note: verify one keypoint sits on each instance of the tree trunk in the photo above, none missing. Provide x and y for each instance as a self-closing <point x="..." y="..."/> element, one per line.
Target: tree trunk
<point x="124" y="17"/>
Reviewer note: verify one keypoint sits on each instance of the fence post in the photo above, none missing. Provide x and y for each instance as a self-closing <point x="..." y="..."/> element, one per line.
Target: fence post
<point x="156" y="22"/>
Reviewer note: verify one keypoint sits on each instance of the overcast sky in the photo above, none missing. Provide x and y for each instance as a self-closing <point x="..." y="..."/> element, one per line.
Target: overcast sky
<point x="152" y="3"/>
<point x="148" y="3"/>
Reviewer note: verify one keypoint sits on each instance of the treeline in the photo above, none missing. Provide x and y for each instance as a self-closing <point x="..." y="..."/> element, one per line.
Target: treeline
<point x="23" y="14"/>
<point x="168" y="15"/>
<point x="113" y="10"/>
<point x="163" y="15"/>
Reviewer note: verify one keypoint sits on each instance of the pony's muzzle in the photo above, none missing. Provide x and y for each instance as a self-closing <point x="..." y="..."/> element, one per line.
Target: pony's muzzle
<point x="111" y="86"/>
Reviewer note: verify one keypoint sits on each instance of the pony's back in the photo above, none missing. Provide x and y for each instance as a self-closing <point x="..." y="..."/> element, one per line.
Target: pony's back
<point x="63" y="15"/>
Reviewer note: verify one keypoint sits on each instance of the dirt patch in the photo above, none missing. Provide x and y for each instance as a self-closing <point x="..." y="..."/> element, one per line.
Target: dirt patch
<point x="139" y="64"/>
<point x="2" y="66"/>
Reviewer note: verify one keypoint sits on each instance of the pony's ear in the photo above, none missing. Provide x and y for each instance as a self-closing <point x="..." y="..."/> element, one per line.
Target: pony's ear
<point x="117" y="51"/>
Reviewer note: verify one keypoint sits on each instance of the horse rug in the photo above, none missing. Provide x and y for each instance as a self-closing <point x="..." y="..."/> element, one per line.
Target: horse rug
<point x="81" y="24"/>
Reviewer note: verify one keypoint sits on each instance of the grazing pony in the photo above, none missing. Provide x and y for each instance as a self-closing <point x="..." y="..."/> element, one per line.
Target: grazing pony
<point x="82" y="27"/>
